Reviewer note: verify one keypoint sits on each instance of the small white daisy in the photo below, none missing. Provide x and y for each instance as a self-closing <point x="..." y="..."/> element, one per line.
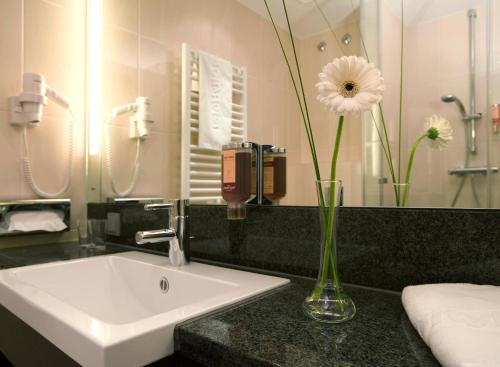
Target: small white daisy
<point x="439" y="131"/>
<point x="350" y="84"/>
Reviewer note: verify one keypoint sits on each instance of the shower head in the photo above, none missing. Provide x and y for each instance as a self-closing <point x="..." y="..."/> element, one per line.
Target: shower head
<point x="449" y="98"/>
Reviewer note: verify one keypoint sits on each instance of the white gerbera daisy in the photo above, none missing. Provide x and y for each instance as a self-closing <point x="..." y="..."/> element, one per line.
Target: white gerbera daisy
<point x="350" y="84"/>
<point x="439" y="131"/>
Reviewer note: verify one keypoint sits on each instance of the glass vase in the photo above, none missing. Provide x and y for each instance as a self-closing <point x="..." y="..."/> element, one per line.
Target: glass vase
<point x="328" y="302"/>
<point x="401" y="193"/>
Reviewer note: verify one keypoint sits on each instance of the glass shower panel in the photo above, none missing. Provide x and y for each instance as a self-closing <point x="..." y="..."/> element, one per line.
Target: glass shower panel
<point x="444" y="67"/>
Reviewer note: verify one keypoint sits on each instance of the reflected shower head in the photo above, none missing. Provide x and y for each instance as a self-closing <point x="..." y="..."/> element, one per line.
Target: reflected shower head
<point x="449" y="98"/>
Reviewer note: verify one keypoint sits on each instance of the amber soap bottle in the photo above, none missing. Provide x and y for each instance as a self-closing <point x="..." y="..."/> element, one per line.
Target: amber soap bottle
<point x="236" y="178"/>
<point x="274" y="176"/>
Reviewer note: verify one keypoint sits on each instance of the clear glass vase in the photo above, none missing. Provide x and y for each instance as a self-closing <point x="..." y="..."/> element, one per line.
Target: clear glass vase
<point x="401" y="193"/>
<point x="328" y="302"/>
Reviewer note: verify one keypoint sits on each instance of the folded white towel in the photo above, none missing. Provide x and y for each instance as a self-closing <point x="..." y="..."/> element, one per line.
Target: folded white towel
<point x="215" y="104"/>
<point x="459" y="322"/>
<point x="35" y="220"/>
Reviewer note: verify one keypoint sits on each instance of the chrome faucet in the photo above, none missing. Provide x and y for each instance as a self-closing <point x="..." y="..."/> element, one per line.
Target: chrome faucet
<point x="178" y="227"/>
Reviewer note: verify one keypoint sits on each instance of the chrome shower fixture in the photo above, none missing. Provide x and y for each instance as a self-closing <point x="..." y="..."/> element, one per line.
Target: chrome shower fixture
<point x="346" y="39"/>
<point x="321" y="46"/>
<point x="467" y="118"/>
<point x="450" y="98"/>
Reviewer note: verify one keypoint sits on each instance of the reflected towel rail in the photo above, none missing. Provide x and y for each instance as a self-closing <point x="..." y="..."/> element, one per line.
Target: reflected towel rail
<point x="201" y="168"/>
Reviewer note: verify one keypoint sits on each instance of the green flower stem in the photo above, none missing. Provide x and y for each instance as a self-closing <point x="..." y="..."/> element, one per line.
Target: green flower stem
<point x="408" y="169"/>
<point x="389" y="154"/>
<point x="301" y="99"/>
<point x="385" y="145"/>
<point x="329" y="243"/>
<point x="400" y="98"/>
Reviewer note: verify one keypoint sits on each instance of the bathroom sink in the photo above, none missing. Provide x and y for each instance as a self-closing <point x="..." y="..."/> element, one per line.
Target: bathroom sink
<point x="121" y="309"/>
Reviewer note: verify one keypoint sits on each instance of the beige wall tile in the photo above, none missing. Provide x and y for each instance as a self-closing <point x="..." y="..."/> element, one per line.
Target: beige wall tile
<point x="54" y="45"/>
<point x="10" y="49"/>
<point x="11" y="160"/>
<point x="120" y="70"/>
<point x="153" y="79"/>
<point x="58" y="55"/>
<point x="121" y="13"/>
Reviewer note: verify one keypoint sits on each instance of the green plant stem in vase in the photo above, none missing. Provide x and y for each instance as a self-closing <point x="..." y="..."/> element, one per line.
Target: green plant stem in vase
<point x="438" y="131"/>
<point x="328" y="302"/>
<point x="347" y="85"/>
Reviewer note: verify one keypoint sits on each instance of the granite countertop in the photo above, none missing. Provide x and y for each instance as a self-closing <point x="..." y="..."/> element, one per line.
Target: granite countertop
<point x="273" y="331"/>
<point x="39" y="254"/>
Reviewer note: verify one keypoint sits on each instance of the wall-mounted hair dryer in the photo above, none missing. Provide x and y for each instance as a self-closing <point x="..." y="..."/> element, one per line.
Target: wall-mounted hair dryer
<point x="27" y="108"/>
<point x="140" y="118"/>
<point x="139" y="130"/>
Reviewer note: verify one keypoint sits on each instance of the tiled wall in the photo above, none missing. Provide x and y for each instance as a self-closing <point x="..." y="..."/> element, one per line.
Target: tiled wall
<point x="301" y="184"/>
<point x="436" y="63"/>
<point x="143" y="57"/>
<point x="47" y="37"/>
<point x="495" y="95"/>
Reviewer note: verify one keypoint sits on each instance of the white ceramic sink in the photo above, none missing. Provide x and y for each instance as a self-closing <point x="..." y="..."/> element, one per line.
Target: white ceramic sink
<point x="115" y="310"/>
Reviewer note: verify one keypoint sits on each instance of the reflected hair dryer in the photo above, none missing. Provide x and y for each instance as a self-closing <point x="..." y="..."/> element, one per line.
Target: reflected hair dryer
<point x="141" y="116"/>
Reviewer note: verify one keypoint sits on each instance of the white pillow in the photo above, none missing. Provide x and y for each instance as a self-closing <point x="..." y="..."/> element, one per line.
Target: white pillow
<point x="35" y="220"/>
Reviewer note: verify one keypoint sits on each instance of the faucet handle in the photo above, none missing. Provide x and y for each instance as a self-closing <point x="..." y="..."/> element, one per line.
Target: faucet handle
<point x="161" y="206"/>
<point x="179" y="205"/>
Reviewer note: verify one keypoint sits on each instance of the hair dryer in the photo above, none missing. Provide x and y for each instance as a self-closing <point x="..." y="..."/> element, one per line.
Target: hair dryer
<point x="139" y="121"/>
<point x="28" y="106"/>
<point x="27" y="110"/>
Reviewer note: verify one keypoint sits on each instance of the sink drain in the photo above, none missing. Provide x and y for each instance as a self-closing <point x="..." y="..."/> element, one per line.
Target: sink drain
<point x="164" y="286"/>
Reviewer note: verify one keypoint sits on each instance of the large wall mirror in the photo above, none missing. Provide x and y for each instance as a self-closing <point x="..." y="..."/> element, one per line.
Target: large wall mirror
<point x="151" y="101"/>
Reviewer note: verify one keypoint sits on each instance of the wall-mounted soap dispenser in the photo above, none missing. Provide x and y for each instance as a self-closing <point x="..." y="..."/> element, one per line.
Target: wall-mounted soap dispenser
<point x="26" y="110"/>
<point x="268" y="174"/>
<point x="274" y="174"/>
<point x="236" y="178"/>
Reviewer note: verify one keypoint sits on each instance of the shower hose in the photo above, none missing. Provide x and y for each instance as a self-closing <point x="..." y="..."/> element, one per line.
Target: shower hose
<point x="109" y="164"/>
<point x="28" y="168"/>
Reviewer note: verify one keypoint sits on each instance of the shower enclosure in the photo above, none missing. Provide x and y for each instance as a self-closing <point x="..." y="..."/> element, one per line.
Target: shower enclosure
<point x="447" y="66"/>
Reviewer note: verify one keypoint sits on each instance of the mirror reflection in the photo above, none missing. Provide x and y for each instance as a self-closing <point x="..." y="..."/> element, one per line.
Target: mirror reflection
<point x="167" y="53"/>
<point x="160" y="87"/>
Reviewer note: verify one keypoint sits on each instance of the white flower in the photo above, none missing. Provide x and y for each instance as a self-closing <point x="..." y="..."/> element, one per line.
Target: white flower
<point x="438" y="130"/>
<point x="350" y="84"/>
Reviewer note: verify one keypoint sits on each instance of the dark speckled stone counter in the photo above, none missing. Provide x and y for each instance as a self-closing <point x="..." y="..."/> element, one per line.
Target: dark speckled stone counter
<point x="30" y="255"/>
<point x="385" y="248"/>
<point x="273" y="331"/>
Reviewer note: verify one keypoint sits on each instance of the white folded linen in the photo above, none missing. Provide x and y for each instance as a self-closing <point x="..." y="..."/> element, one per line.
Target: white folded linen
<point x="35" y="220"/>
<point x="459" y="322"/>
<point x="215" y="104"/>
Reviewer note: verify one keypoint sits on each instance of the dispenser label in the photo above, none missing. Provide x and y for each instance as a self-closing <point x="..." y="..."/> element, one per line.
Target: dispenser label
<point x="229" y="166"/>
<point x="268" y="175"/>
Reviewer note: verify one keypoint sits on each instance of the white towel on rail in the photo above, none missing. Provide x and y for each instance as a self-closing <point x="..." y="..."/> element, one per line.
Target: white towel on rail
<point x="459" y="322"/>
<point x="215" y="105"/>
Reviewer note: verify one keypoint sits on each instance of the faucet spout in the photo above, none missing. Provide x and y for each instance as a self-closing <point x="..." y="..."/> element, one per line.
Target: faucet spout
<point x="158" y="235"/>
<point x="178" y="228"/>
